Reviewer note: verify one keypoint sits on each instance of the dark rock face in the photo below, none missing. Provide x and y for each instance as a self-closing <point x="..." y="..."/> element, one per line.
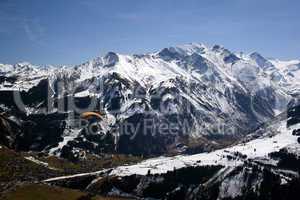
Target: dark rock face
<point x="10" y="79"/>
<point x="111" y="59"/>
<point x="170" y="54"/>
<point x="287" y="160"/>
<point x="37" y="94"/>
<point x="113" y="88"/>
<point x="228" y="56"/>
<point x="261" y="61"/>
<point x="293" y="116"/>
<point x="40" y="131"/>
<point x="9" y="130"/>
<point x="142" y="137"/>
<point x="231" y="58"/>
<point x="35" y="97"/>
<point x="296" y="132"/>
<point x="198" y="62"/>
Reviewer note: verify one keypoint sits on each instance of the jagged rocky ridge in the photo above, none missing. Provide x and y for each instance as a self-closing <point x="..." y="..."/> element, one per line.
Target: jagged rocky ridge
<point x="210" y="97"/>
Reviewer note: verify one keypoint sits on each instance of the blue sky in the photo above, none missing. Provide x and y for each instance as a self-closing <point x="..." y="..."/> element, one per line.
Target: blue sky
<point x="71" y="32"/>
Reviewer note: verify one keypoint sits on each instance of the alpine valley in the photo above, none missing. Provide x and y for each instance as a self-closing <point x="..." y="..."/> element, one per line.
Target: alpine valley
<point x="186" y="122"/>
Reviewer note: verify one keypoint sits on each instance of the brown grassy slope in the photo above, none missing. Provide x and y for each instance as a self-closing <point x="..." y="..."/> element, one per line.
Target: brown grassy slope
<point x="46" y="192"/>
<point x="14" y="168"/>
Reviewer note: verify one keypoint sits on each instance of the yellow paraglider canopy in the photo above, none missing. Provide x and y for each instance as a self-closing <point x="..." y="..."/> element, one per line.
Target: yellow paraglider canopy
<point x="88" y="115"/>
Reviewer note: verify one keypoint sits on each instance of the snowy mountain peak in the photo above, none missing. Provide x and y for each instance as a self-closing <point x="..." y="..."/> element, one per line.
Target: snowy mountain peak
<point x="191" y="48"/>
<point x="218" y="48"/>
<point x="110" y="59"/>
<point x="194" y="61"/>
<point x="181" y="51"/>
<point x="171" y="53"/>
<point x="261" y="61"/>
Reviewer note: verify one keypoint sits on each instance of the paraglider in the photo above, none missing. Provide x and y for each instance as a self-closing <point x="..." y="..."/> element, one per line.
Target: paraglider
<point x="93" y="120"/>
<point x="91" y="115"/>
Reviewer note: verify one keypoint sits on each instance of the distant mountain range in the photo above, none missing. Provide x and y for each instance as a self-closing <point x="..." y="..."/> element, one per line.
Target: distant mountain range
<point x="187" y="122"/>
<point x="184" y="99"/>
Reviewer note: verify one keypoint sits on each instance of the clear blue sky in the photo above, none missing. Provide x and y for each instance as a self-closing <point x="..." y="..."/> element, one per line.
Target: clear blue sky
<point x="71" y="32"/>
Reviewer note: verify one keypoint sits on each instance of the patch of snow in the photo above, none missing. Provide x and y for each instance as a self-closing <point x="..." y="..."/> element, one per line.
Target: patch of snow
<point x="32" y="159"/>
<point x="84" y="93"/>
<point x="232" y="187"/>
<point x="74" y="176"/>
<point x="69" y="135"/>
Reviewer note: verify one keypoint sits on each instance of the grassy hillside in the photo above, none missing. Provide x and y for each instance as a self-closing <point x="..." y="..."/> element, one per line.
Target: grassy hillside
<point x="14" y="168"/>
<point x="46" y="192"/>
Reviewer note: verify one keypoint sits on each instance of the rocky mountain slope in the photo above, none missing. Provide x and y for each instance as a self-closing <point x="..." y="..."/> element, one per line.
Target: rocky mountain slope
<point x="263" y="166"/>
<point x="183" y="99"/>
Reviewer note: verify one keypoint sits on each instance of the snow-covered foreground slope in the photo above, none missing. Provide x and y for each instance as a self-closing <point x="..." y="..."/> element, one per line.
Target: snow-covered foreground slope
<point x="229" y="157"/>
<point x="255" y="149"/>
<point x="266" y="167"/>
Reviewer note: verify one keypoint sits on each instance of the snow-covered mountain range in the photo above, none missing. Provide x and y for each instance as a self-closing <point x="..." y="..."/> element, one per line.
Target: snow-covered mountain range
<point x="207" y="96"/>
